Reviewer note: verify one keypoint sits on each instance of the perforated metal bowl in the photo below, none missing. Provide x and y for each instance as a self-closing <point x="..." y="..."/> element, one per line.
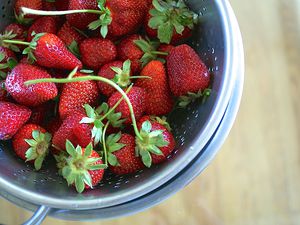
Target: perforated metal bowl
<point x="218" y="42"/>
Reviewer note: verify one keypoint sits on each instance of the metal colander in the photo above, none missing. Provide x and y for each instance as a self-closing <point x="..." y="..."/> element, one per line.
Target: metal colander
<point x="218" y="42"/>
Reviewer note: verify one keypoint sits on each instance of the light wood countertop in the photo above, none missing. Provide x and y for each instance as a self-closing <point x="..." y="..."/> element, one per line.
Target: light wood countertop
<point x="255" y="177"/>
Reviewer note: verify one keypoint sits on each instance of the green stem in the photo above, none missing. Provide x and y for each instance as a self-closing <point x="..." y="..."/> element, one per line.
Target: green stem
<point x="58" y="13"/>
<point x="116" y="105"/>
<point x="16" y="42"/>
<point x="103" y="141"/>
<point x="138" y="77"/>
<point x="159" y="53"/>
<point x="95" y="78"/>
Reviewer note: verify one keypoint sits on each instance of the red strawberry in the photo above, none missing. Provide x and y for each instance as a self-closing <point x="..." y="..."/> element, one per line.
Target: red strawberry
<point x="96" y="52"/>
<point x="68" y="34"/>
<point x="17" y="29"/>
<point x="33" y="4"/>
<point x="41" y="112"/>
<point x="82" y="20"/>
<point x="186" y="71"/>
<point x="84" y="169"/>
<point x="12" y="118"/>
<point x="31" y="95"/>
<point x="66" y="132"/>
<point x="53" y="125"/>
<point x="31" y="143"/>
<point x="48" y="5"/>
<point x="137" y="96"/>
<point x="3" y="92"/>
<point x="159" y="99"/>
<point x="62" y="4"/>
<point x="117" y="71"/>
<point x="5" y="55"/>
<point x="121" y="154"/>
<point x="138" y="50"/>
<point x="165" y="48"/>
<point x="171" y="21"/>
<point x="75" y="95"/>
<point x="46" y="24"/>
<point x="157" y="144"/>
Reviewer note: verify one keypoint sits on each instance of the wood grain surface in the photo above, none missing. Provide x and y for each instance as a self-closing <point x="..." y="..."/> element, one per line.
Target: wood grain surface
<point x="255" y="177"/>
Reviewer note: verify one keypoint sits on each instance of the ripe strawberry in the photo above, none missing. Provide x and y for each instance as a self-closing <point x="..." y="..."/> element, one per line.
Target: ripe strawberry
<point x="75" y="95"/>
<point x="53" y="125"/>
<point x="17" y="29"/>
<point x="138" y="50"/>
<point x="96" y="52"/>
<point x="68" y="34"/>
<point x="7" y="57"/>
<point x="41" y="112"/>
<point x="66" y="132"/>
<point x="82" y="20"/>
<point x="33" y="4"/>
<point x="84" y="168"/>
<point x="62" y="4"/>
<point x="137" y="96"/>
<point x="117" y="71"/>
<point x="48" y="51"/>
<point x="3" y="92"/>
<point x="31" y="143"/>
<point x="157" y="144"/>
<point x="159" y="100"/>
<point x="12" y="119"/>
<point x="46" y="24"/>
<point x="31" y="95"/>
<point x="121" y="154"/>
<point x="186" y="71"/>
<point x="170" y="21"/>
<point x="48" y="5"/>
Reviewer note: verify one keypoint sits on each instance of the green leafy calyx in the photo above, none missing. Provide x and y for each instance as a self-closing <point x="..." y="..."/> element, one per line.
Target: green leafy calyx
<point x="169" y="16"/>
<point x="22" y="20"/>
<point x="122" y="77"/>
<point x="10" y="63"/>
<point x="32" y="46"/>
<point x="39" y="148"/>
<point x="162" y="120"/>
<point x="104" y="20"/>
<point x="113" y="145"/>
<point x="151" y="142"/>
<point x="185" y="100"/>
<point x="74" y="49"/>
<point x="8" y="36"/>
<point x="79" y="162"/>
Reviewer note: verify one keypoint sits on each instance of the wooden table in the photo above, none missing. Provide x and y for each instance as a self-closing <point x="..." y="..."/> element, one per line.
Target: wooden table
<point x="255" y="177"/>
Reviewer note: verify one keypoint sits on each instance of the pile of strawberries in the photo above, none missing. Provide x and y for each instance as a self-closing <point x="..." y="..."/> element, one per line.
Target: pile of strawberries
<point x="90" y="82"/>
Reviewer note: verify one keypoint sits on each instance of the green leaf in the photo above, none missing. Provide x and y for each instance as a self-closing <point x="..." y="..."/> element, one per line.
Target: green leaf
<point x="70" y="149"/>
<point x="30" y="154"/>
<point x="66" y="172"/>
<point x="48" y="137"/>
<point x="2" y="56"/>
<point x="112" y="160"/>
<point x="74" y="49"/>
<point x="79" y="184"/>
<point x="3" y="75"/>
<point x="157" y="6"/>
<point x="143" y="45"/>
<point x="95" y="25"/>
<point x="155" y="150"/>
<point x="90" y="112"/>
<point x="127" y="66"/>
<point x="146" y="158"/>
<point x="116" y="147"/>
<point x="88" y="150"/>
<point x="38" y="162"/>
<point x="165" y="32"/>
<point x="78" y="150"/>
<point x="12" y="63"/>
<point x="146" y="126"/>
<point x="178" y="27"/>
<point x="116" y="69"/>
<point x="36" y="135"/>
<point x="104" y="31"/>
<point x="87" y="120"/>
<point x="156" y="21"/>
<point x="87" y="71"/>
<point x="97" y="167"/>
<point x="87" y="179"/>
<point x="31" y="142"/>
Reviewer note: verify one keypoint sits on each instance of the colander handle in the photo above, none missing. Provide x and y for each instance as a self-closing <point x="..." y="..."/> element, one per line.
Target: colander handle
<point x="39" y="215"/>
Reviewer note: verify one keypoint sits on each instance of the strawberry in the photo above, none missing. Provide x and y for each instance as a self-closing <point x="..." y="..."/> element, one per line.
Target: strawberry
<point x="25" y="60"/>
<point x="33" y="4"/>
<point x="12" y="118"/>
<point x="84" y="168"/>
<point x="7" y="61"/>
<point x="138" y="50"/>
<point x="170" y="21"/>
<point x="17" y="29"/>
<point x="31" y="95"/>
<point x="81" y="137"/>
<point x="48" y="5"/>
<point x="82" y="20"/>
<point x="31" y="143"/>
<point x="121" y="154"/>
<point x="75" y="95"/>
<point x="165" y="48"/>
<point x="187" y="72"/>
<point x="46" y="24"/>
<point x="137" y="96"/>
<point x="96" y="52"/>
<point x="53" y="125"/>
<point x="157" y="143"/>
<point x="117" y="71"/>
<point x="62" y="4"/>
<point x="159" y="100"/>
<point x="3" y="92"/>
<point x="41" y="112"/>
<point x="68" y="34"/>
<point x="47" y="50"/>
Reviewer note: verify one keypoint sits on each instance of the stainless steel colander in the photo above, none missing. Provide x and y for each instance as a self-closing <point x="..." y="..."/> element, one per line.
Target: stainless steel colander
<point x="199" y="131"/>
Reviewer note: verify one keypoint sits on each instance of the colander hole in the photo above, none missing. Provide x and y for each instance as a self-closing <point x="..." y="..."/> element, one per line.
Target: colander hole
<point x="3" y="16"/>
<point x="3" y="7"/>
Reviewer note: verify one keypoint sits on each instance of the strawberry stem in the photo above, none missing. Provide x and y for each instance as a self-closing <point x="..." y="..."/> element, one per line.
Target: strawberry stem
<point x="16" y="42"/>
<point x="159" y="53"/>
<point x="58" y="13"/>
<point x="103" y="142"/>
<point x="95" y="78"/>
<point x="138" y="77"/>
